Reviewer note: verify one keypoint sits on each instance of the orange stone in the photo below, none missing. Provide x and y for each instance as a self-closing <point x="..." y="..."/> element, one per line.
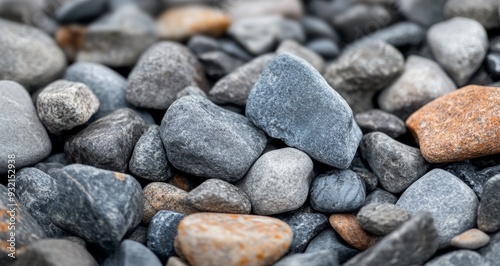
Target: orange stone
<point x="215" y="239"/>
<point x="462" y="124"/>
<point x="347" y="226"/>
<point x="70" y="39"/>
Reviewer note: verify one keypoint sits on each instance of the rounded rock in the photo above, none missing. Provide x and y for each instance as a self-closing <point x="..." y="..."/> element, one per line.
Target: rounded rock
<point x="488" y="214"/>
<point x="215" y="195"/>
<point x="347" y="226"/>
<point x="470" y="239"/>
<point x="381" y="219"/>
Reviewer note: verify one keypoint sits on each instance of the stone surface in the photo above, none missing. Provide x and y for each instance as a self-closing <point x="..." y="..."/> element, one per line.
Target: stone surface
<point x="305" y="226"/>
<point x="131" y="253"/>
<point x="191" y="90"/>
<point x="234" y="49"/>
<point x="278" y="181"/>
<point x="451" y="202"/>
<point x="378" y="120"/>
<point x="381" y="218"/>
<point x="380" y="196"/>
<point x="369" y="178"/>
<point x="232" y="239"/>
<point x="470" y="239"/>
<point x="80" y="11"/>
<point x="459" y="45"/>
<point x="337" y="191"/>
<point x="200" y="44"/>
<point x="324" y="47"/>
<point x="488" y="214"/>
<point x="215" y="195"/>
<point x="491" y="251"/>
<point x="396" y="165"/>
<point x="55" y="252"/>
<point x="424" y="12"/>
<point x="318" y="28"/>
<point x="442" y="139"/>
<point x="318" y="258"/>
<point x="459" y="258"/>
<point x="347" y="226"/>
<point x="217" y="63"/>
<point x="328" y="239"/>
<point x="162" y="232"/>
<point x="108" y="142"/>
<point x="493" y="64"/>
<point x="215" y="143"/>
<point x="246" y="9"/>
<point x="422" y="81"/>
<point x="139" y="235"/>
<point x="278" y="105"/>
<point x="293" y="47"/>
<point x="163" y="70"/>
<point x="484" y="12"/>
<point x="470" y="175"/>
<point x="176" y="261"/>
<point x="23" y="135"/>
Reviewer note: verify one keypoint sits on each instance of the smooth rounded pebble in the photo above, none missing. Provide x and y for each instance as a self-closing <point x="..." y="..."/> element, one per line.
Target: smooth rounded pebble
<point x="347" y="226"/>
<point x="328" y="239"/>
<point x="470" y="239"/>
<point x="55" y="252"/>
<point x="304" y="226"/>
<point x="131" y="253"/>
<point x="381" y="218"/>
<point x="378" y="120"/>
<point x="162" y="231"/>
<point x="460" y="258"/>
<point x="215" y="195"/>
<point x="488" y="213"/>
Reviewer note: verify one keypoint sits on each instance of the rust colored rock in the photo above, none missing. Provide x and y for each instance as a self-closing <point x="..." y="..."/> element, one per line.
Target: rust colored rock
<point x="347" y="226"/>
<point x="207" y="239"/>
<point x="70" y="39"/>
<point x="460" y="125"/>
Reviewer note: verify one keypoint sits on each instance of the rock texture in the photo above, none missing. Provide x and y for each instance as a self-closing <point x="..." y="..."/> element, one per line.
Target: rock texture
<point x="215" y="195"/>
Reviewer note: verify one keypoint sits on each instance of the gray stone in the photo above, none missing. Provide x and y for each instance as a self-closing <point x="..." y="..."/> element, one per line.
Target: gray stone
<point x="235" y="87"/>
<point x="23" y="135"/>
<point x="278" y="181"/>
<point x="131" y="253"/>
<point x="89" y="196"/>
<point x="152" y="7"/>
<point x="484" y="12"/>
<point x="469" y="174"/>
<point x="305" y="226"/>
<point x="380" y="196"/>
<point x="247" y="9"/>
<point x="423" y="12"/>
<point x="29" y="56"/>
<point x="162" y="232"/>
<point x="318" y="258"/>
<point x="492" y="250"/>
<point x="422" y="81"/>
<point x="289" y="102"/>
<point x="76" y="240"/>
<point x="493" y="64"/>
<point x="57" y="158"/>
<point x="108" y="142"/>
<point x="337" y="191"/>
<point x="139" y="234"/>
<point x="231" y="47"/>
<point x="317" y="28"/>
<point x="55" y="252"/>
<point x="215" y="195"/>
<point x="45" y="167"/>
<point x="37" y="13"/>
<point x="459" y="258"/>
<point x="381" y="218"/>
<point x="191" y="90"/>
<point x="217" y="63"/>
<point x="452" y="203"/>
<point x="163" y="70"/>
<point x="203" y="139"/>
<point x="488" y="214"/>
<point x="324" y="47"/>
<point x="294" y="48"/>
<point x="149" y="159"/>
<point x="397" y="165"/>
<point x="201" y="44"/>
<point x="459" y="45"/>
<point x="369" y="178"/>
<point x="328" y="239"/>
<point x="360" y="73"/>
<point x="378" y="120"/>
<point x="80" y="11"/>
<point x="63" y="105"/>
<point x="470" y="239"/>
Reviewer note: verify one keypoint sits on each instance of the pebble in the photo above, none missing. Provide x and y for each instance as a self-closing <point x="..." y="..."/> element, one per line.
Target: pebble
<point x="357" y="75"/>
<point x="488" y="214"/>
<point x="215" y="195"/>
<point x="460" y="258"/>
<point x="45" y="167"/>
<point x="422" y="81"/>
<point x="131" y="253"/>
<point x="176" y="261"/>
<point x="278" y="105"/>
<point x="337" y="191"/>
<point x="413" y="243"/>
<point x="139" y="235"/>
<point x="380" y="121"/>
<point x="484" y="12"/>
<point x="162" y="232"/>
<point x="235" y="87"/>
<point x="493" y="64"/>
<point x="161" y="196"/>
<point x="317" y="28"/>
<point x="89" y="196"/>
<point x="63" y="105"/>
<point x="324" y="47"/>
<point x="305" y="226"/>
<point x="423" y="12"/>
<point x="20" y="122"/>
<point x="149" y="158"/>
<point x="191" y="90"/>
<point x="369" y="178"/>
<point x="451" y="202"/>
<point x="294" y="48"/>
<point x="459" y="125"/>
<point x="55" y="252"/>
<point x="29" y="56"/>
<point x="232" y="239"/>
<point x="469" y="174"/>
<point x="396" y="165"/>
<point x="470" y="239"/>
<point x="247" y="9"/>
<point x="328" y="239"/>
<point x="231" y="47"/>
<point x="180" y="23"/>
<point x="492" y="250"/>
<point x="347" y="226"/>
<point x="459" y="45"/>
<point x="318" y="258"/>
<point x="163" y="70"/>
<point x="381" y="218"/>
<point x="217" y="63"/>
<point x="380" y="196"/>
<point x="80" y="11"/>
<point x="107" y="143"/>
<point x="200" y="44"/>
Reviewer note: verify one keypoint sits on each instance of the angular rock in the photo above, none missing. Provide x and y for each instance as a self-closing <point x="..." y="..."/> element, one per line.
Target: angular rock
<point x="484" y="12"/>
<point x="459" y="258"/>
<point x="162" y="232"/>
<point x="191" y="90"/>
<point x="324" y="47"/>
<point x="294" y="48"/>
<point x="423" y="12"/>
<point x="380" y="196"/>
<point x="329" y="240"/>
<point x="215" y="195"/>
<point x="131" y="253"/>
<point x="318" y="258"/>
<point x="244" y="9"/>
<point x="378" y="120"/>
<point x="488" y="213"/>
<point x="470" y="239"/>
<point x="55" y="252"/>
<point x="139" y="235"/>
<point x="347" y="226"/>
<point x="217" y="63"/>
<point x="381" y="218"/>
<point x="305" y="226"/>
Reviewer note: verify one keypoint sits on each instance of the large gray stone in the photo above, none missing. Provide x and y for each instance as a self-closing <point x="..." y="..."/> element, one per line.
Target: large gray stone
<point x="424" y="12"/>
<point x="484" y="11"/>
<point x="293" y="47"/>
<point x="131" y="253"/>
<point x="215" y="195"/>
<point x="488" y="214"/>
<point x="381" y="218"/>
<point x="318" y="258"/>
<point x="55" y="252"/>
<point x="328" y="239"/>
<point x="460" y="258"/>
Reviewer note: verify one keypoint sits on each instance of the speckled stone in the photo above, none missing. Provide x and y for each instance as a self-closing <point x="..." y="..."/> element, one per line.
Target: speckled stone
<point x="460" y="258"/>
<point x="378" y="120"/>
<point x="470" y="239"/>
<point x="318" y="258"/>
<point x="55" y="252"/>
<point x="162" y="232"/>
<point x="217" y="64"/>
<point x="293" y="47"/>
<point x="305" y="226"/>
<point x="215" y="195"/>
<point x="369" y="178"/>
<point x="328" y="239"/>
<point x="214" y="239"/>
<point x="484" y="12"/>
<point x="492" y="250"/>
<point x="459" y="125"/>
<point x="347" y="226"/>
<point x="381" y="218"/>
<point x="139" y="235"/>
<point x="380" y="196"/>
<point x="131" y="253"/>
<point x="488" y="214"/>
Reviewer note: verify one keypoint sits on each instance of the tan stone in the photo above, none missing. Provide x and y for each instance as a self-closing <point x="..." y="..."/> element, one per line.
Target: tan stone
<point x="471" y="239"/>
<point x="347" y="226"/>
<point x="162" y="196"/>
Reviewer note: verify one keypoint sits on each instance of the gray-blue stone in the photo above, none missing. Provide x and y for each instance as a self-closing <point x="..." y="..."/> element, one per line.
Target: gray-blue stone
<point x="305" y="226"/>
<point x="460" y="258"/>
<point x="492" y="250"/>
<point x="215" y="195"/>
<point x="55" y="252"/>
<point x="381" y="218"/>
<point x="289" y="102"/>
<point x="381" y="121"/>
<point x="318" y="258"/>
<point x="231" y="47"/>
<point x="328" y="239"/>
<point x="80" y="11"/>
<point x="423" y="12"/>
<point x="162" y="232"/>
<point x="131" y="253"/>
<point x="488" y="214"/>
<point x="324" y="47"/>
<point x="316" y="27"/>
<point x="201" y="44"/>
<point x="380" y="196"/>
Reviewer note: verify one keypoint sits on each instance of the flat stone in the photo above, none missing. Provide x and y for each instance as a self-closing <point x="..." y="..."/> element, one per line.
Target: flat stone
<point x="328" y="239"/>
<point x="55" y="252"/>
<point x="318" y="258"/>
<point x="315" y="27"/>
<point x="459" y="125"/>
<point x="327" y="48"/>
<point x="279" y="105"/>
<point x="200" y="44"/>
<point x="337" y="191"/>
<point x="215" y="195"/>
<point x="88" y="196"/>
<point x="245" y="9"/>
<point x="231" y="239"/>
<point x="422" y="81"/>
<point x="380" y="196"/>
<point x="423" y="12"/>
<point x="484" y="12"/>
<point x="206" y="140"/>
<point x="131" y="253"/>
<point x="162" y="232"/>
<point x="23" y="135"/>
<point x="347" y="226"/>
<point x="108" y="142"/>
<point x="492" y="250"/>
<point x="412" y="243"/>
<point x="381" y="121"/>
<point x="459" y="45"/>
<point x="459" y="258"/>
<point x="488" y="214"/>
<point x="294" y="48"/>
<point x="305" y="226"/>
<point x="470" y="239"/>
<point x="218" y="64"/>
<point x="191" y="90"/>
<point x="278" y="181"/>
<point x="451" y="202"/>
<point x="234" y="49"/>
<point x="80" y="11"/>
<point x="381" y="218"/>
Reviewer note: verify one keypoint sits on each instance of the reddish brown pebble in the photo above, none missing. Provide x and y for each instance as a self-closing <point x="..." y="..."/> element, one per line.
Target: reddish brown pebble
<point x="471" y="239"/>
<point x="347" y="226"/>
<point x="460" y="125"/>
<point x="70" y="39"/>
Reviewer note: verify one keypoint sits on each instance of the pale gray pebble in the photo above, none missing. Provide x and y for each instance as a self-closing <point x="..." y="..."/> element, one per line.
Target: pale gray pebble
<point x="492" y="250"/>
<point x="381" y="121"/>
<point x="328" y="239"/>
<point x="131" y="253"/>
<point x="317" y="28"/>
<point x="484" y="11"/>
<point x="80" y="11"/>
<point x="217" y="63"/>
<point x="191" y="90"/>
<point x="381" y="218"/>
<point x="324" y="47"/>
<point x="380" y="196"/>
<point x="293" y="47"/>
<point x="305" y="226"/>
<point x="55" y="252"/>
<point x="423" y="12"/>
<point x="459" y="258"/>
<point x="201" y="44"/>
<point x="470" y="239"/>
<point x="162" y="232"/>
<point x="215" y="195"/>
<point x="318" y="258"/>
<point x="488" y="214"/>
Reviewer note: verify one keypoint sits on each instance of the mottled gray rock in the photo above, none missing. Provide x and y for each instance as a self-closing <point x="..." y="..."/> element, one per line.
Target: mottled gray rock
<point x="305" y="226"/>
<point x="215" y="195"/>
<point x="324" y="47"/>
<point x="231" y="47"/>
<point x="397" y="165"/>
<point x="29" y="56"/>
<point x="317" y="28"/>
<point x="191" y="90"/>
<point x="492" y="250"/>
<point x="89" y="196"/>
<point x="378" y="120"/>
<point x="459" y="258"/>
<point x="163" y="70"/>
<point x="80" y="11"/>
<point x="55" y="252"/>
<point x="139" y="234"/>
<point x="380" y="196"/>
<point x="293" y="47"/>
<point x="488" y="214"/>
<point x="23" y="135"/>
<point x="381" y="218"/>
<point x="149" y="159"/>
<point x="289" y="102"/>
<point x="108" y="142"/>
<point x="318" y="258"/>
<point x="422" y="81"/>
<point x="459" y="45"/>
<point x="203" y="139"/>
<point x="162" y="232"/>
<point x="131" y="253"/>
<point x="217" y="63"/>
<point x="452" y="203"/>
<point x="45" y="167"/>
<point x="201" y="44"/>
<point x="470" y="175"/>
<point x="412" y="243"/>
<point x="423" y="12"/>
<point x="278" y="181"/>
<point x="360" y="73"/>
<point x="369" y="178"/>
<point x="337" y="191"/>
<point x="235" y="87"/>
<point x="470" y="239"/>
<point x="484" y="12"/>
<point x="329" y="240"/>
